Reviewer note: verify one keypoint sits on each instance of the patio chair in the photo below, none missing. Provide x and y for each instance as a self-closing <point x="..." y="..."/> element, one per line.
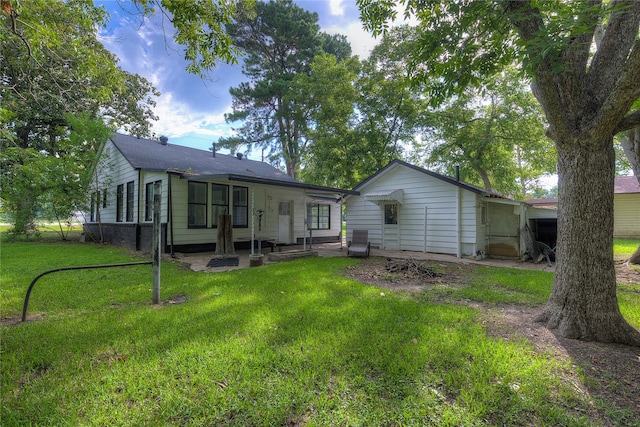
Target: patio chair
<point x="360" y="246"/>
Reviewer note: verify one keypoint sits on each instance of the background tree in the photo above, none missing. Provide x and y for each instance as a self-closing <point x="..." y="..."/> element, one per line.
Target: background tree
<point x="587" y="92"/>
<point x="279" y="43"/>
<point x="325" y="100"/>
<point x="495" y="134"/>
<point x="52" y="68"/>
<point x="361" y="115"/>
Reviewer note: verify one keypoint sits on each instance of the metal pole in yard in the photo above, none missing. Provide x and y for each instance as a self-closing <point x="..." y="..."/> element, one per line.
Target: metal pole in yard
<point x="156" y="243"/>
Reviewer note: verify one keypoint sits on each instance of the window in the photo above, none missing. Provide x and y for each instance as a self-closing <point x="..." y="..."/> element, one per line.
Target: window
<point x="119" y="202"/>
<point x="197" y="204"/>
<point x="318" y="216"/>
<point x="240" y="207"/>
<point x="104" y="198"/>
<point x="284" y="208"/>
<point x="219" y="202"/>
<point x="130" y="198"/>
<point x="148" y="200"/>
<point x="391" y="214"/>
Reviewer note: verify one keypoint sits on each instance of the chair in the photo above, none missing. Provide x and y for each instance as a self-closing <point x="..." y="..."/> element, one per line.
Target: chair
<point x="360" y="245"/>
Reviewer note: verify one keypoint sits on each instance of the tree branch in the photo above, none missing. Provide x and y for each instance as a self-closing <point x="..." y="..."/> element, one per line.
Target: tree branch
<point x="628" y="122"/>
<point x="614" y="48"/>
<point x="622" y="96"/>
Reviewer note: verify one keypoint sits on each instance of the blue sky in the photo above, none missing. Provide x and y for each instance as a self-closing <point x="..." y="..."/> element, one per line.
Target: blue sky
<point x="190" y="109"/>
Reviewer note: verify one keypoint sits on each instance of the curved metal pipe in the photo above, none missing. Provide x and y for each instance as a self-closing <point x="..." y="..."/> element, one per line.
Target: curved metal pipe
<point x="84" y="267"/>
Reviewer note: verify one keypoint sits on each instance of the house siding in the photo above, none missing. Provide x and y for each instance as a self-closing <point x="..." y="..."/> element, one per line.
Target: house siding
<point x="265" y="198"/>
<point x="135" y="230"/>
<point x="117" y="171"/>
<point x="626" y="215"/>
<point x="442" y="201"/>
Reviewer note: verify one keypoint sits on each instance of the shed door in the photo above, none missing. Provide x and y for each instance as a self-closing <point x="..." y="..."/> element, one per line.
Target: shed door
<point x="390" y="227"/>
<point x="284" y="221"/>
<point x="503" y="231"/>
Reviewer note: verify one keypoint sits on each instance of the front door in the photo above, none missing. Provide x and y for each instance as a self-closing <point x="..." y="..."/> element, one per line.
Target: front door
<point x="390" y="227"/>
<point x="284" y="221"/>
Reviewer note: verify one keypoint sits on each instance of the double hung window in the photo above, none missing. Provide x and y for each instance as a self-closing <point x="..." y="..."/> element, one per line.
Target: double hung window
<point x="197" y="204"/>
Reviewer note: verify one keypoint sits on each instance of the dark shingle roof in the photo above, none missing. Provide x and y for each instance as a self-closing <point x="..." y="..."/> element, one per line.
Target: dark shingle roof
<point x="191" y="163"/>
<point x="149" y="155"/>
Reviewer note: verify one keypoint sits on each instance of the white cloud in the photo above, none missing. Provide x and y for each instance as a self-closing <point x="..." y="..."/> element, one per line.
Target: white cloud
<point x="176" y="119"/>
<point x="361" y="41"/>
<point x="336" y="7"/>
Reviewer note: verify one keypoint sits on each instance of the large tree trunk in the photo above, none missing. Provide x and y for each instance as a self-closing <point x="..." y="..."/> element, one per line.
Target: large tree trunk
<point x="24" y="215"/>
<point x="583" y="302"/>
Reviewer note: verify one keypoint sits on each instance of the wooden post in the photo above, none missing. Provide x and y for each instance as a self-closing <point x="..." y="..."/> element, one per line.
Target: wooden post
<point x="224" y="244"/>
<point x="156" y="243"/>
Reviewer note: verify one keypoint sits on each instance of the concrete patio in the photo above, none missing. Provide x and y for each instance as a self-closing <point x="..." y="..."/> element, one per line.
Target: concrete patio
<point x="199" y="261"/>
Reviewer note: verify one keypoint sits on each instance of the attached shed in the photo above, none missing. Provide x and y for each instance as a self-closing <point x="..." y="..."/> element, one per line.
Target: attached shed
<point x="196" y="186"/>
<point x="405" y="207"/>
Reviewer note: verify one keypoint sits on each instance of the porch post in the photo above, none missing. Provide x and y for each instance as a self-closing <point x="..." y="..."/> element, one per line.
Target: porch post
<point x="157" y="239"/>
<point x="253" y="217"/>
<point x="304" y="223"/>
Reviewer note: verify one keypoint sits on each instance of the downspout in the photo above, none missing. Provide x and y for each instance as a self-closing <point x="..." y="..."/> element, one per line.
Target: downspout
<point x="458" y="216"/>
<point x="170" y="214"/>
<point x="137" y="227"/>
<point x="341" y="207"/>
<point x="425" y="228"/>
<point x="304" y="223"/>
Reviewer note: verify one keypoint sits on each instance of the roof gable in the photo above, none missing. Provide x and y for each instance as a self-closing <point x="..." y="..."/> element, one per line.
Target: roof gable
<point x="379" y="174"/>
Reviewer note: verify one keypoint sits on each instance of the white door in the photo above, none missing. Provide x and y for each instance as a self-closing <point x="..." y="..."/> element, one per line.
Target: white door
<point x="284" y="221"/>
<point x="390" y="227"/>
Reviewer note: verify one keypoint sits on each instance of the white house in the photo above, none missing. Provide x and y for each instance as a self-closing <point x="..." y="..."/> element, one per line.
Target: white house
<point x="626" y="207"/>
<point x="405" y="207"/>
<point x="196" y="186"/>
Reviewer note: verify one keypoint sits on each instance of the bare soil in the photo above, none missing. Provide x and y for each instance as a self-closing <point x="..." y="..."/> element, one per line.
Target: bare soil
<point x="609" y="374"/>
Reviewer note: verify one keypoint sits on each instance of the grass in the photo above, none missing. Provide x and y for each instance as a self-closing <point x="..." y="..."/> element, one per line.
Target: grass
<point x="285" y="344"/>
<point x="624" y="248"/>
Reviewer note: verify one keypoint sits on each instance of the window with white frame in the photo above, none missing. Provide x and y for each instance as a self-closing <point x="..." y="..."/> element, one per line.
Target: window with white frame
<point x="197" y="204"/>
<point x="318" y="216"/>
<point x="240" y="207"/>
<point x="391" y="213"/>
<point x="219" y="202"/>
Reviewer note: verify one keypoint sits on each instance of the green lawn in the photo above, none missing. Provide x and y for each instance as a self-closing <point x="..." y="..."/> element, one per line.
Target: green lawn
<point x="285" y="344"/>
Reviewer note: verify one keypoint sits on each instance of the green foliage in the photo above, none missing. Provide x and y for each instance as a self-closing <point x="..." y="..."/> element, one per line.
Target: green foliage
<point x="362" y="115"/>
<point x="495" y="134"/>
<point x="201" y="27"/>
<point x="279" y="42"/>
<point x="54" y="68"/>
<point x="283" y="344"/>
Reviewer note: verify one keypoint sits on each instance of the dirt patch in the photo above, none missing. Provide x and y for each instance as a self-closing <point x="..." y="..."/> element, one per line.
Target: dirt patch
<point x="611" y="371"/>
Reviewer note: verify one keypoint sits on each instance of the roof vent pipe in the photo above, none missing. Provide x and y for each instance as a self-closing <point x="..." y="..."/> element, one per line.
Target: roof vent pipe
<point x="163" y="140"/>
<point x="457" y="173"/>
<point x="213" y="149"/>
<point x="239" y="156"/>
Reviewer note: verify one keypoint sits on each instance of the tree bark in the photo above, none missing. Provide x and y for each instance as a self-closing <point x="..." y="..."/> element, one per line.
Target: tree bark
<point x="224" y="242"/>
<point x="583" y="303"/>
<point x="635" y="258"/>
